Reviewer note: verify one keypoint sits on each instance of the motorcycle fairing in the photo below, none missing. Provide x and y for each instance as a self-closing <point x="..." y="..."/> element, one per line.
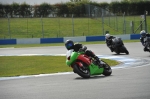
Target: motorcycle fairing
<point x="84" y="59"/>
<point x="72" y="58"/>
<point x="117" y="41"/>
<point x="95" y="70"/>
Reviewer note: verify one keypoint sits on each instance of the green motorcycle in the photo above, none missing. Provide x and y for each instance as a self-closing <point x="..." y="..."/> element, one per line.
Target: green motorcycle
<point x="86" y="66"/>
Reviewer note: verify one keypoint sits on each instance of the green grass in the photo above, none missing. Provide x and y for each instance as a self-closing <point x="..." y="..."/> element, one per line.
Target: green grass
<point x="32" y="65"/>
<point x="62" y="27"/>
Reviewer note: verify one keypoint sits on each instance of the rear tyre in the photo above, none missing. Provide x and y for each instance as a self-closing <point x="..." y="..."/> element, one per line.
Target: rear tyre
<point x="107" y="70"/>
<point x="82" y="71"/>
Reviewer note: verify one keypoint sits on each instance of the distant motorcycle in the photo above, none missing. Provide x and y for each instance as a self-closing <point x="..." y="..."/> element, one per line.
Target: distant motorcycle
<point x="118" y="46"/>
<point x="86" y="66"/>
<point x="147" y="42"/>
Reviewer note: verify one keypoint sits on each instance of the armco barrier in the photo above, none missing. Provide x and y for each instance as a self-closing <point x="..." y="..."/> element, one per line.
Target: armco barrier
<point x="134" y="36"/>
<point x="61" y="40"/>
<point x="95" y="38"/>
<point x="51" y="40"/>
<point x="7" y="41"/>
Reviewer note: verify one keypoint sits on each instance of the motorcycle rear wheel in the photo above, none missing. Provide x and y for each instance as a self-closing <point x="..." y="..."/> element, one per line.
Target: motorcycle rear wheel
<point x="82" y="71"/>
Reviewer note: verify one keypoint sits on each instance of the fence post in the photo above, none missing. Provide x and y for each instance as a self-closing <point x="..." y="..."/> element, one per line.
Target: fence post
<point x="145" y="20"/>
<point x="141" y="26"/>
<point x="109" y="18"/>
<point x="42" y="27"/>
<point x="9" y="27"/>
<point x="88" y="19"/>
<point x="102" y="22"/>
<point x="116" y="22"/>
<point x="27" y="27"/>
<point x="72" y="26"/>
<point x="132" y="27"/>
<point x="59" y="27"/>
<point x="124" y="23"/>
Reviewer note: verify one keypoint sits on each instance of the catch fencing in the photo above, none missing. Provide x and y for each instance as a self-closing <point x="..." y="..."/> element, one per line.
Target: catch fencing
<point x="95" y="22"/>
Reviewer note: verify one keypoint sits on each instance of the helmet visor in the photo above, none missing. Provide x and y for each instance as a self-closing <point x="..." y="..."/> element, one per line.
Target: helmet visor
<point x="143" y="34"/>
<point x="69" y="45"/>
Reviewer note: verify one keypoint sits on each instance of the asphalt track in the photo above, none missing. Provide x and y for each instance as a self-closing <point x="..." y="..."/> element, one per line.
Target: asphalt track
<point x="132" y="82"/>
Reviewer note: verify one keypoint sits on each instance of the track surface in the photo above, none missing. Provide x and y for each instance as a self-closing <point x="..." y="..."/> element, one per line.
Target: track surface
<point x="127" y="83"/>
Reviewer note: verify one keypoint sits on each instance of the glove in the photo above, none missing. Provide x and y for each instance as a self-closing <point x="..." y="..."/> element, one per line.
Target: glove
<point x="109" y="46"/>
<point x="143" y="44"/>
<point x="82" y="49"/>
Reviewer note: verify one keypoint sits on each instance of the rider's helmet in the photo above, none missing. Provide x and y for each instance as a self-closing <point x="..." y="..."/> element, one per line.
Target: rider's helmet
<point x="107" y="36"/>
<point x="69" y="44"/>
<point x="143" y="33"/>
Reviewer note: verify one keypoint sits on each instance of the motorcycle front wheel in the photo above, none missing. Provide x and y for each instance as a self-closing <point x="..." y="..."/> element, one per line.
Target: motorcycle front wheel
<point x="117" y="51"/>
<point x="107" y="69"/>
<point x="82" y="71"/>
<point x="125" y="50"/>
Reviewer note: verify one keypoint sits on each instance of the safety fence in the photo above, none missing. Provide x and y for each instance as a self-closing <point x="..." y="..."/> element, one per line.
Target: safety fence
<point x="95" y="22"/>
<point x="61" y="40"/>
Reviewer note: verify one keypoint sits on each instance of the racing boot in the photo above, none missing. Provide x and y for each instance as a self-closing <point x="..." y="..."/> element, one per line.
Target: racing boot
<point x="145" y="49"/>
<point x="98" y="62"/>
<point x="111" y="49"/>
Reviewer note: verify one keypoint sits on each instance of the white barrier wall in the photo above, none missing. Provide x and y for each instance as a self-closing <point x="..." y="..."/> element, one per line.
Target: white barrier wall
<point x="124" y="37"/>
<point x="28" y="41"/>
<point x="76" y="39"/>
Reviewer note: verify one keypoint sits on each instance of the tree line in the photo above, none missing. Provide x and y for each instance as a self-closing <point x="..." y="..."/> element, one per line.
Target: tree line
<point x="76" y="7"/>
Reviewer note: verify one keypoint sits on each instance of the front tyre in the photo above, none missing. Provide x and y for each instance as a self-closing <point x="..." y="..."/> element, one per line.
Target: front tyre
<point x="82" y="71"/>
<point x="125" y="50"/>
<point x="107" y="69"/>
<point x="117" y="51"/>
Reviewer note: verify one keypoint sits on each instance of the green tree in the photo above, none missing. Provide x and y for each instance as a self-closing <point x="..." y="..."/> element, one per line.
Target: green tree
<point x="124" y="6"/>
<point x="115" y="7"/>
<point x="15" y="7"/>
<point x="133" y="9"/>
<point x="134" y="0"/>
<point x="45" y="9"/>
<point x="1" y="10"/>
<point x="62" y="9"/>
<point x="36" y="10"/>
<point x="75" y="0"/>
<point x="104" y="5"/>
<point x="7" y="10"/>
<point x="25" y="9"/>
<point x="71" y="8"/>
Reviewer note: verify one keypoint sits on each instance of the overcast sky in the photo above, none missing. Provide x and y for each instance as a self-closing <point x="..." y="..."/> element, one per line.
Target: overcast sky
<point x="32" y="2"/>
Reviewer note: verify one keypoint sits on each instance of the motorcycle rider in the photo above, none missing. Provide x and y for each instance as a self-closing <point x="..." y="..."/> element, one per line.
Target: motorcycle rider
<point x="69" y="44"/>
<point x="108" y="39"/>
<point x="144" y="35"/>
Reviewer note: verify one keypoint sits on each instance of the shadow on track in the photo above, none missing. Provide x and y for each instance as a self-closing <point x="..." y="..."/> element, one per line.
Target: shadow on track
<point x="93" y="77"/>
<point x="120" y="54"/>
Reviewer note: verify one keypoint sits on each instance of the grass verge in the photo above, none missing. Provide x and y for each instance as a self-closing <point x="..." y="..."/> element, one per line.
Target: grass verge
<point x="32" y="65"/>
